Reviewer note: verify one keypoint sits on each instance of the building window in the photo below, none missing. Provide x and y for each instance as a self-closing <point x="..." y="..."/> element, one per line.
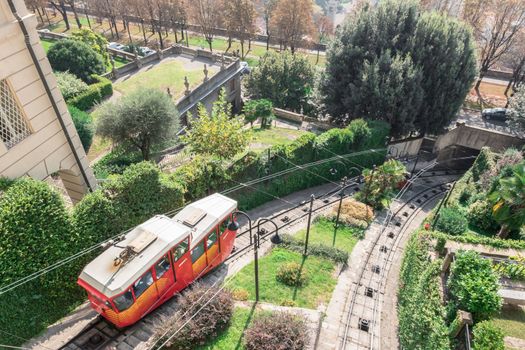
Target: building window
<point x="13" y="126"/>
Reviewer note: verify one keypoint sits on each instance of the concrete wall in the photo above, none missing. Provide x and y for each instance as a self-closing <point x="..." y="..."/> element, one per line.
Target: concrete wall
<point x="405" y="148"/>
<point x="46" y="150"/>
<point x="476" y="138"/>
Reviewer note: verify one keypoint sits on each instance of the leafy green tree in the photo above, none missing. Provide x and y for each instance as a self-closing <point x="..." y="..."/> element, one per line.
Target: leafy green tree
<point x="255" y="109"/>
<point x="474" y="285"/>
<point x="69" y="84"/>
<point x="487" y="336"/>
<point x="517" y="109"/>
<point x="84" y="125"/>
<point x="509" y="199"/>
<point x="283" y="78"/>
<point x="144" y="118"/>
<point x="96" y="41"/>
<point x="76" y="57"/>
<point x="381" y="182"/>
<point x="217" y="133"/>
<point x="392" y="63"/>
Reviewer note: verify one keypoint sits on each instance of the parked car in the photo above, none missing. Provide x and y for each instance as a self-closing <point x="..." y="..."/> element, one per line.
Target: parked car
<point x="116" y="46"/>
<point x="500" y="114"/>
<point x="147" y="51"/>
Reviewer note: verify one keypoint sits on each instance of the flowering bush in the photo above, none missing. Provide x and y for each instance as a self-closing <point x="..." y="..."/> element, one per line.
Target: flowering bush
<point x="277" y="331"/>
<point x="292" y="274"/>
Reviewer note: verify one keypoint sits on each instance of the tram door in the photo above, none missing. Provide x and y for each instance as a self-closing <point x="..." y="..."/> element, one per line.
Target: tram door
<point x="212" y="247"/>
<point x="182" y="265"/>
<point x="198" y="259"/>
<point x="164" y="275"/>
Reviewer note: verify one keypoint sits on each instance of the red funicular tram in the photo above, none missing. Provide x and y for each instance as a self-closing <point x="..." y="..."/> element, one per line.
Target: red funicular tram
<point x="159" y="258"/>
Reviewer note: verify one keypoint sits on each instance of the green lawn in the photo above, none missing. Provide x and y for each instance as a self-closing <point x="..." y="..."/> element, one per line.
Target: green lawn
<point x="167" y="74"/>
<point x="322" y="232"/>
<point x="511" y="320"/>
<point x="264" y="138"/>
<point x="232" y="337"/>
<point x="318" y="289"/>
<point x="47" y="43"/>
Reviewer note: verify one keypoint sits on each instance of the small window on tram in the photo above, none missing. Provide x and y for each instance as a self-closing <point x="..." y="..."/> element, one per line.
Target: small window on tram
<point x="212" y="238"/>
<point x="162" y="266"/>
<point x="142" y="284"/>
<point x="180" y="250"/>
<point x="197" y="252"/>
<point x="223" y="226"/>
<point x="123" y="301"/>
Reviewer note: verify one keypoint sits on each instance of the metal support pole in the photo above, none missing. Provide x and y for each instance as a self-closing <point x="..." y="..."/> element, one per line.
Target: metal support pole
<point x="256" y="265"/>
<point x="312" y="198"/>
<point x="342" y="194"/>
<point x="415" y="164"/>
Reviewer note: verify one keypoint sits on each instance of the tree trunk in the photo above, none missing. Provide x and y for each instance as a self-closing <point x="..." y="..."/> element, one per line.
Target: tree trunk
<point x="476" y="88"/>
<point x="72" y="4"/>
<point x="229" y="43"/>
<point x="503" y="232"/>
<point x="160" y="39"/>
<point x="115" y="25"/>
<point x="39" y="14"/>
<point x="63" y="12"/>
<point x="143" y="31"/>
<point x="317" y="59"/>
<point x="242" y="49"/>
<point x="87" y="18"/>
<point x="47" y="16"/>
<point x="210" y="40"/>
<point x="129" y="35"/>
<point x="175" y="33"/>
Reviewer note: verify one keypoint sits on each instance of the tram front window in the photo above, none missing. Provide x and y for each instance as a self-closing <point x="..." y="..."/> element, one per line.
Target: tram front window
<point x="123" y="301"/>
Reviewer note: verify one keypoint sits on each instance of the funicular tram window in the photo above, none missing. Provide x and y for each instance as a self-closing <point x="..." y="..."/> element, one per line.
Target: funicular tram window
<point x="212" y="238"/>
<point x="142" y="284"/>
<point x="224" y="225"/>
<point x="197" y="252"/>
<point x="162" y="266"/>
<point x="180" y="250"/>
<point x="123" y="301"/>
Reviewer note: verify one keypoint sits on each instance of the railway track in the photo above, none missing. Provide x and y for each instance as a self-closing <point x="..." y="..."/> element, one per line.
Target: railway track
<point x="100" y="334"/>
<point x="361" y="328"/>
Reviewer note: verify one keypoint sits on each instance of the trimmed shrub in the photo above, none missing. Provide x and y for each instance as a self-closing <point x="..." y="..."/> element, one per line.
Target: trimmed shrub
<point x="474" y="285"/>
<point x="489" y="241"/>
<point x="69" y="84"/>
<point x="206" y="323"/>
<point x="116" y="162"/>
<point x="277" y="331"/>
<point x="126" y="200"/>
<point x="84" y="125"/>
<point x="292" y="274"/>
<point x="5" y="183"/>
<point x="240" y="294"/>
<point x="483" y="163"/>
<point x="419" y="290"/>
<point x="76" y="57"/>
<point x="480" y="215"/>
<point x="95" y="93"/>
<point x="354" y="213"/>
<point x="487" y="336"/>
<point x="323" y="251"/>
<point x="451" y="221"/>
<point x="35" y="232"/>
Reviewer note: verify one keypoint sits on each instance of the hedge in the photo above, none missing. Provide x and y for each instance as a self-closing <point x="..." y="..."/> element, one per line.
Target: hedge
<point x="493" y="242"/>
<point x="35" y="231"/>
<point x="126" y="200"/>
<point x="324" y="251"/>
<point x="421" y="315"/>
<point x="84" y="125"/>
<point x="95" y="93"/>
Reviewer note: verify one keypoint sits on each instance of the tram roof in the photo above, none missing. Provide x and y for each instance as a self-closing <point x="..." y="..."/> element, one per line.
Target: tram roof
<point x="154" y="238"/>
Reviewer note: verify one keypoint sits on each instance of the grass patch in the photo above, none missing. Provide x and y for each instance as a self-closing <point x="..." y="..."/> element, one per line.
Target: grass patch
<point x="511" y="319"/>
<point x="264" y="138"/>
<point x="322" y="232"/>
<point x="317" y="290"/>
<point x="167" y="74"/>
<point x="47" y="43"/>
<point x="232" y="337"/>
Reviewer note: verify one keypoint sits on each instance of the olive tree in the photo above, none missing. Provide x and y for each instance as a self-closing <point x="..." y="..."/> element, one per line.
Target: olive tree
<point x="142" y="119"/>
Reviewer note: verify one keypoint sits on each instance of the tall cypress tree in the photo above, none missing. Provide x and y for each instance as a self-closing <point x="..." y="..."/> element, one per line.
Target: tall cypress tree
<point x="392" y="63"/>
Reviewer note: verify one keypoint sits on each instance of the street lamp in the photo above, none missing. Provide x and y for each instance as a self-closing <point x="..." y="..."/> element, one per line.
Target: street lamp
<point x="256" y="243"/>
